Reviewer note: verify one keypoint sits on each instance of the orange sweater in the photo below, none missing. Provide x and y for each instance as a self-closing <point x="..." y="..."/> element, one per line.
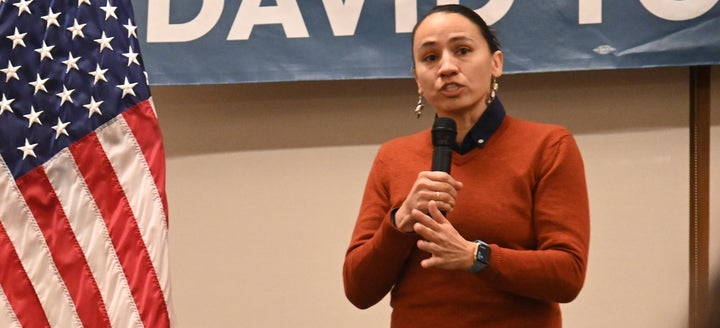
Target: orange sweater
<point x="524" y="194"/>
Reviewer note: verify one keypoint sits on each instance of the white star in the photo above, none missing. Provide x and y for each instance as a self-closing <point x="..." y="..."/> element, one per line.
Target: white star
<point x="60" y="128"/>
<point x="45" y="51"/>
<point x="17" y="38"/>
<point x="39" y="84"/>
<point x="109" y="10"/>
<point x="84" y="1"/>
<point x="51" y="19"/>
<point x="28" y="149"/>
<point x="5" y="104"/>
<point x="65" y="95"/>
<point x="71" y="63"/>
<point x="99" y="74"/>
<point x="104" y="42"/>
<point x="10" y="72"/>
<point x="33" y="117"/>
<point x="127" y="88"/>
<point x="93" y="107"/>
<point x="23" y="6"/>
<point x="76" y="29"/>
<point x="131" y="29"/>
<point x="131" y="56"/>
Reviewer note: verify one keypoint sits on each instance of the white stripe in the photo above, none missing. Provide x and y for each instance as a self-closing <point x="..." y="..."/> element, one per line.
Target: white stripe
<point x="166" y="288"/>
<point x="152" y="105"/>
<point x="93" y="237"/>
<point x="138" y="184"/>
<point x="7" y="316"/>
<point x="34" y="254"/>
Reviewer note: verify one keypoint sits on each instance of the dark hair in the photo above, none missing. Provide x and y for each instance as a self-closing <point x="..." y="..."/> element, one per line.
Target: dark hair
<point x="471" y="15"/>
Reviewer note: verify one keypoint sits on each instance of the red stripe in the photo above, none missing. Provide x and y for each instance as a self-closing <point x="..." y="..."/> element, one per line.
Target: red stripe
<point x="144" y="125"/>
<point x="17" y="286"/>
<point x="104" y="186"/>
<point x="64" y="248"/>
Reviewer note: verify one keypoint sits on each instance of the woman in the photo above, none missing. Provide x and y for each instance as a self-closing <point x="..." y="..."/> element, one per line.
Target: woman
<point x="514" y="240"/>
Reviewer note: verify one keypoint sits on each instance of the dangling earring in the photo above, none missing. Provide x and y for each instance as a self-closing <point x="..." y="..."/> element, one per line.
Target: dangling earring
<point x="419" y="108"/>
<point x="493" y="90"/>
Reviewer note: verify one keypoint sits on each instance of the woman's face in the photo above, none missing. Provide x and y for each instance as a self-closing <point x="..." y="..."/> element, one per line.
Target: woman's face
<point x="453" y="64"/>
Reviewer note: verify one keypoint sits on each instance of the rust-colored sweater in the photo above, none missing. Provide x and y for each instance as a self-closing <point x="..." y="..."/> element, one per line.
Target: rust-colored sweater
<point x="524" y="194"/>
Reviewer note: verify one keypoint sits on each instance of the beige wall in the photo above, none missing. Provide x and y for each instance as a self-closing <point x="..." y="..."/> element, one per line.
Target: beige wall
<point x="264" y="183"/>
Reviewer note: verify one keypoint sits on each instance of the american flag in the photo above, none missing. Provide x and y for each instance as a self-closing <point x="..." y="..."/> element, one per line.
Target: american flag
<point x="83" y="211"/>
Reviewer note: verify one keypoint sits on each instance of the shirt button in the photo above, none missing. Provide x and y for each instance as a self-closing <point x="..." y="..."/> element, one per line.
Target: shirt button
<point x="481" y="141"/>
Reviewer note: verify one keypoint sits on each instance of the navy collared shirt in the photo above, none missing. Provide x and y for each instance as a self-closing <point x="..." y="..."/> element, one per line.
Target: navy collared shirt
<point x="483" y="129"/>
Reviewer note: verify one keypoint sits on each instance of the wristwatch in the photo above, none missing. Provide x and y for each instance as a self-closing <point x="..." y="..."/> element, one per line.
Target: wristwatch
<point x="482" y="258"/>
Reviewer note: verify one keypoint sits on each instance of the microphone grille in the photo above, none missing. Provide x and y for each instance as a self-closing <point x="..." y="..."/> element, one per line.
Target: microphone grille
<point x="444" y="131"/>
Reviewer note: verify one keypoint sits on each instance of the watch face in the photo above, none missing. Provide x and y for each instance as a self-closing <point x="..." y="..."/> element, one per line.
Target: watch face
<point x="483" y="254"/>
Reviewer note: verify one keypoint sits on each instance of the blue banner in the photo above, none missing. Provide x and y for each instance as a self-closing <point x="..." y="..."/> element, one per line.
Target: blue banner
<point x="240" y="41"/>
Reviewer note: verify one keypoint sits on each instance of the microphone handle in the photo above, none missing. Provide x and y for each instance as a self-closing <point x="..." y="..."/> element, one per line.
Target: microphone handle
<point x="441" y="159"/>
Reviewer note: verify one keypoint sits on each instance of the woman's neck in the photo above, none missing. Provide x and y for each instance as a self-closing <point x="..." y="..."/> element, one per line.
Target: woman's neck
<point x="465" y="121"/>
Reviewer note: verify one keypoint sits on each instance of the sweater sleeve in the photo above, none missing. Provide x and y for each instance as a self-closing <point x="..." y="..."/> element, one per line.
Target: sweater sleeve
<point x="556" y="270"/>
<point x="377" y="252"/>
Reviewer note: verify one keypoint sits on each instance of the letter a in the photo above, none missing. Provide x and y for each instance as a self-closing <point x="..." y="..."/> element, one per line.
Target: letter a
<point x="251" y="13"/>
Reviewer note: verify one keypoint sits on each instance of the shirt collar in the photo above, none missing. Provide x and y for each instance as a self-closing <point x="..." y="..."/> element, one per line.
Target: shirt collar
<point x="483" y="129"/>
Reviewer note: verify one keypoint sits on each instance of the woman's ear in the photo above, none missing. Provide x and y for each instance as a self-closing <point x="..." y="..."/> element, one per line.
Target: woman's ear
<point x="417" y="81"/>
<point x="497" y="63"/>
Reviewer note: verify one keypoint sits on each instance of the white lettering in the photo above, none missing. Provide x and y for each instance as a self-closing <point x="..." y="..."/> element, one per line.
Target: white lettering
<point x="405" y="15"/>
<point x="251" y="13"/>
<point x="590" y="11"/>
<point x="676" y="10"/>
<point x="343" y="16"/>
<point x="494" y="10"/>
<point x="406" y="12"/>
<point x="159" y="28"/>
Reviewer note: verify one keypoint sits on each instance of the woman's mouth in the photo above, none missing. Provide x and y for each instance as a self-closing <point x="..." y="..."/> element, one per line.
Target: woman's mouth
<point x="450" y="89"/>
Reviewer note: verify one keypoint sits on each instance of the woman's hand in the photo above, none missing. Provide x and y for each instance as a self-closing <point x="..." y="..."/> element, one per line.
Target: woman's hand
<point x="448" y="249"/>
<point x="429" y="186"/>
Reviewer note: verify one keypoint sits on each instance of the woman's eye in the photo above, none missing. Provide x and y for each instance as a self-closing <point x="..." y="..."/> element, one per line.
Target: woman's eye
<point x="463" y="51"/>
<point x="429" y="58"/>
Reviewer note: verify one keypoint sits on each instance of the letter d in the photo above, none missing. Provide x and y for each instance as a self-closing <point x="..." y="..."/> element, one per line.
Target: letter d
<point x="160" y="29"/>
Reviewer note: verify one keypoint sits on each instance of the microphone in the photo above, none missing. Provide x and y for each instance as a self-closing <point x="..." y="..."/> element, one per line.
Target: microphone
<point x="444" y="132"/>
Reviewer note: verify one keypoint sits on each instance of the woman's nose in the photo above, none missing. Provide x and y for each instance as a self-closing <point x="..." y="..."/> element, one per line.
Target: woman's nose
<point x="448" y="65"/>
